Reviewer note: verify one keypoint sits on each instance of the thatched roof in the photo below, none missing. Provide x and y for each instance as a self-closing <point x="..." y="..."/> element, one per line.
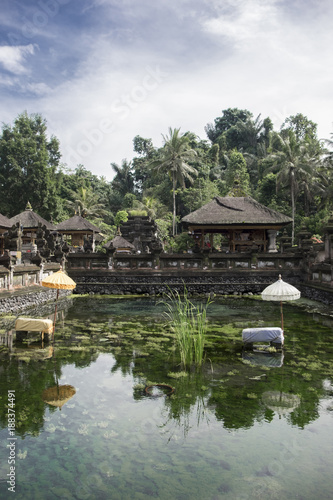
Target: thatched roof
<point x="77" y="223"/>
<point x="30" y="220"/>
<point x="4" y="222"/>
<point x="119" y="242"/>
<point x="235" y="211"/>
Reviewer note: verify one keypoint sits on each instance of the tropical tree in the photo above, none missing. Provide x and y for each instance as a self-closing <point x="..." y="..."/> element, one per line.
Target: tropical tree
<point x="29" y="163"/>
<point x="328" y="160"/>
<point x="152" y="206"/>
<point x="236" y="171"/>
<point x="226" y="126"/>
<point x="123" y="182"/>
<point x="87" y="203"/>
<point x="173" y="159"/>
<point x="254" y="137"/>
<point x="145" y="154"/>
<point x="201" y="192"/>
<point x="295" y="167"/>
<point x="300" y="125"/>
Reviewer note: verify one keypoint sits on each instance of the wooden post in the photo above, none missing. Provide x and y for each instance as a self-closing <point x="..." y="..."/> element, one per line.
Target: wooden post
<point x="55" y="314"/>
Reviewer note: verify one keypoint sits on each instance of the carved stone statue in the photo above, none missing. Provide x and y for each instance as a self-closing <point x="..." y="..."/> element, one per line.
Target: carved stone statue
<point x="13" y="240"/>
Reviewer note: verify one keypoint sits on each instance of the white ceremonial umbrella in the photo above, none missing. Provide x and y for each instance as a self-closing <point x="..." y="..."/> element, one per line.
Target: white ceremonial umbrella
<point x="280" y="291"/>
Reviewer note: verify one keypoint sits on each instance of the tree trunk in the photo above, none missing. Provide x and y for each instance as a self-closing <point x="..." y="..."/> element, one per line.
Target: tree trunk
<point x="174" y="204"/>
<point x="292" y="207"/>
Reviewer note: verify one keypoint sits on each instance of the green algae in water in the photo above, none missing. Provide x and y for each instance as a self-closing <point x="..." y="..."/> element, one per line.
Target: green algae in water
<point x="218" y="436"/>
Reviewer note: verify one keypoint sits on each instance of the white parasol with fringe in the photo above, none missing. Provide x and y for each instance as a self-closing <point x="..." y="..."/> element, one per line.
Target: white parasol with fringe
<point x="280" y="291"/>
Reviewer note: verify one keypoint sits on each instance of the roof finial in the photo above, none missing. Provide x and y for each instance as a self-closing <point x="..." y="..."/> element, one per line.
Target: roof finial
<point x="28" y="207"/>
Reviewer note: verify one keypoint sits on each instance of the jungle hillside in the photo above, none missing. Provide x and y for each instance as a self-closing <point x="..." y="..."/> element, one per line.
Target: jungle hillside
<point x="289" y="170"/>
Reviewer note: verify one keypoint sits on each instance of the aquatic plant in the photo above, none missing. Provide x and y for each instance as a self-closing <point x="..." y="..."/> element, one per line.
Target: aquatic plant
<point x="189" y="324"/>
<point x="22" y="454"/>
<point x="83" y="429"/>
<point x="177" y="374"/>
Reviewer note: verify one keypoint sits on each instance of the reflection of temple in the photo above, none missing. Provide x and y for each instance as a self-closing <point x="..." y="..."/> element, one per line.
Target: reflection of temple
<point x="243" y="223"/>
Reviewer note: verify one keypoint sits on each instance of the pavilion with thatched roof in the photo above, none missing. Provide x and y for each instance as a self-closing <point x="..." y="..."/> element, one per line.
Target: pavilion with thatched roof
<point x="76" y="229"/>
<point x="4" y="226"/>
<point x="119" y="244"/>
<point x="244" y="223"/>
<point x="29" y="222"/>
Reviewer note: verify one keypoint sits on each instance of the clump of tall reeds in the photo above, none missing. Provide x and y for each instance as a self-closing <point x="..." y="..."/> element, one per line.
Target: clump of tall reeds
<point x="189" y="323"/>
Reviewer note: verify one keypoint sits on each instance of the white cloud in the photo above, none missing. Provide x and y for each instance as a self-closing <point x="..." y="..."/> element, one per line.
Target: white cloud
<point x="243" y="21"/>
<point x="260" y="55"/>
<point x="13" y="58"/>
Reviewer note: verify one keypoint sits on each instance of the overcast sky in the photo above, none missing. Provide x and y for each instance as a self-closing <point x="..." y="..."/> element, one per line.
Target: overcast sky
<point x="103" y="71"/>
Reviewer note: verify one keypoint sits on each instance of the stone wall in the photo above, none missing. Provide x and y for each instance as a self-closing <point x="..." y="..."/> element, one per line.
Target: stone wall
<point x="219" y="273"/>
<point x="18" y="276"/>
<point x="318" y="293"/>
<point x="195" y="261"/>
<point x="200" y="282"/>
<point x="17" y="303"/>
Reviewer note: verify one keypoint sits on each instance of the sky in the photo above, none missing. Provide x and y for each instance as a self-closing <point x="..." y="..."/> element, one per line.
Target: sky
<point x="103" y="71"/>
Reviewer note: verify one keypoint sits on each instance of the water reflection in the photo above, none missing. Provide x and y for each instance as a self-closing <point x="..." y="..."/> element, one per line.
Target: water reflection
<point x="58" y="395"/>
<point x="232" y="383"/>
<point x="272" y="360"/>
<point x="280" y="402"/>
<point x="111" y="437"/>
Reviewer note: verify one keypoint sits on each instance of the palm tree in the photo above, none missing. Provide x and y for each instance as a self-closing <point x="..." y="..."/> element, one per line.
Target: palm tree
<point x="86" y="203"/>
<point x="329" y="142"/>
<point x="123" y="182"/>
<point x="173" y="159"/>
<point x="297" y="168"/>
<point x="251" y="133"/>
<point x="153" y="207"/>
<point x="254" y="141"/>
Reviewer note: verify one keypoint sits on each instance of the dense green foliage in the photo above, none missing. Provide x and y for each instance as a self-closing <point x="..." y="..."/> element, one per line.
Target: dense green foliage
<point x="289" y="170"/>
<point x="28" y="165"/>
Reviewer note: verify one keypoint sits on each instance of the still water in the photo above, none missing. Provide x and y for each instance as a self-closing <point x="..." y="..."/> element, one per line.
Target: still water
<point x="245" y="426"/>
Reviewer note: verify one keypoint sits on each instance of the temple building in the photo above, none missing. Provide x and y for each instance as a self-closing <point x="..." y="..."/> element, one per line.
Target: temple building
<point x="29" y="222"/>
<point x="141" y="231"/>
<point x="243" y="223"/>
<point x="120" y="245"/>
<point x="80" y="233"/>
<point x="5" y="225"/>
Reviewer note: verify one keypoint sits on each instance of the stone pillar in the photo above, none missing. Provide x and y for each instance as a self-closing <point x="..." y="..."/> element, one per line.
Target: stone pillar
<point x="285" y="242"/>
<point x="11" y="277"/>
<point x="329" y="247"/>
<point x="41" y="270"/>
<point x="329" y="239"/>
<point x="272" y="240"/>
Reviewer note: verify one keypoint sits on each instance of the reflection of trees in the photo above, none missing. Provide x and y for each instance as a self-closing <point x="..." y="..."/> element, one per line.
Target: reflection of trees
<point x="225" y="386"/>
<point x="188" y="406"/>
<point x="241" y="401"/>
<point x="234" y="407"/>
<point x="28" y="380"/>
<point x="235" y="394"/>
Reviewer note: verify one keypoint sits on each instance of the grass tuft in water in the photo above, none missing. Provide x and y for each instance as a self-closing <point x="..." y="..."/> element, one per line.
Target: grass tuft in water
<point x="189" y="324"/>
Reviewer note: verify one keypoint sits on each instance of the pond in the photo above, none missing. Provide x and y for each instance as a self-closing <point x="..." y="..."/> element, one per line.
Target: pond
<point x="244" y="426"/>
